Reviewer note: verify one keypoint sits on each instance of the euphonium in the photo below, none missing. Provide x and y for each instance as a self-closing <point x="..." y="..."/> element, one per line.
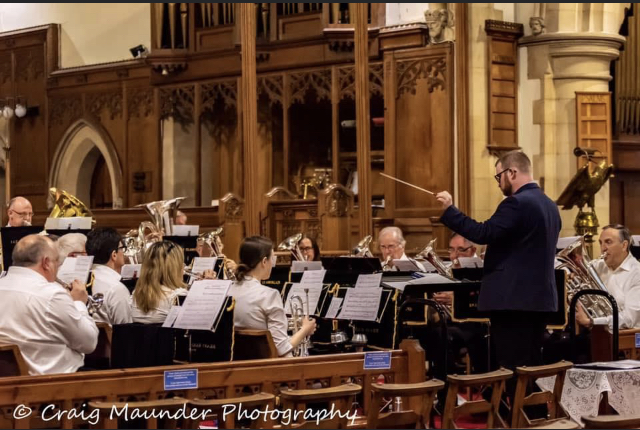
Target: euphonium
<point x="163" y="212"/>
<point x="429" y="254"/>
<point x="584" y="277"/>
<point x="297" y="314"/>
<point x="212" y="239"/>
<point x="362" y="248"/>
<point x="136" y="242"/>
<point x="291" y="244"/>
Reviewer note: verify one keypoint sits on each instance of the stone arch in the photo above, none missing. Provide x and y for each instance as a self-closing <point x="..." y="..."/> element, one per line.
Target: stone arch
<point x="76" y="157"/>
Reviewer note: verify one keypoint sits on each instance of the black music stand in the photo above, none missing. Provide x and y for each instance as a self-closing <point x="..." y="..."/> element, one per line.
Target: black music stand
<point x="10" y="237"/>
<point x="635" y="251"/>
<point x="188" y="243"/>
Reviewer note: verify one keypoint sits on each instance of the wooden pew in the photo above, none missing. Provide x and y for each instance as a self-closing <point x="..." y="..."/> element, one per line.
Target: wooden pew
<point x="601" y="341"/>
<point x="215" y="381"/>
<point x="11" y="361"/>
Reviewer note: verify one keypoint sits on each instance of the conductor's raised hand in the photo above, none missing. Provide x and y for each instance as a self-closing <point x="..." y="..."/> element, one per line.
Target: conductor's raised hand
<point x="445" y="198"/>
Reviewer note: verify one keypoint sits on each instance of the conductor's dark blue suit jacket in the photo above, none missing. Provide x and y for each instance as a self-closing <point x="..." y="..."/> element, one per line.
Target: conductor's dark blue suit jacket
<point x="521" y="236"/>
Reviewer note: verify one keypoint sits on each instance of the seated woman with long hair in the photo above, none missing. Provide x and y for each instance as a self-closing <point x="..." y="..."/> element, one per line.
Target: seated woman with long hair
<point x="260" y="307"/>
<point x="309" y="249"/>
<point x="160" y="283"/>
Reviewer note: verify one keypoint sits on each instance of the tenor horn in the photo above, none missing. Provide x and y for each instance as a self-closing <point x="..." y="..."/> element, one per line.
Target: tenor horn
<point x="291" y="244"/>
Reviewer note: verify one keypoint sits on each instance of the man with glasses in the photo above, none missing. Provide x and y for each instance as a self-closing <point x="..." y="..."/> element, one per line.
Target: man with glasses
<point x="518" y="285"/>
<point x="20" y="212"/>
<point x="620" y="272"/>
<point x="105" y="244"/>
<point x="391" y="242"/>
<point x="460" y="247"/>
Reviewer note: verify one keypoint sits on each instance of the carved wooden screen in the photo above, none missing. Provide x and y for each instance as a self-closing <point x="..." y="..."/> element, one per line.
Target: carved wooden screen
<point x="593" y="120"/>
<point x="419" y="139"/>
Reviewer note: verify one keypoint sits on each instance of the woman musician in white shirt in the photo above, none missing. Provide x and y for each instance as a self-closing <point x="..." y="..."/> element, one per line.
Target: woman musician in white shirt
<point x="260" y="307"/>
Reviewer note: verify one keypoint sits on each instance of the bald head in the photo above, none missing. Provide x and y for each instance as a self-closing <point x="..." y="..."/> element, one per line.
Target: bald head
<point x="38" y="253"/>
<point x="181" y="218"/>
<point x="20" y="212"/>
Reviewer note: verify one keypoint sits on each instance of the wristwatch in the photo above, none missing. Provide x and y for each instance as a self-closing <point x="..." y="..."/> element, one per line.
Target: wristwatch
<point x="590" y="322"/>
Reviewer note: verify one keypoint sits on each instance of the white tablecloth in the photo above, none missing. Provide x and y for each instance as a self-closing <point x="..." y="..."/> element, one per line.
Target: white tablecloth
<point x="583" y="391"/>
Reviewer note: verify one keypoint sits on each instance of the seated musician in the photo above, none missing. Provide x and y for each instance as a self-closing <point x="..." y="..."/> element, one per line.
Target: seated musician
<point x="71" y="245"/>
<point x="105" y="244"/>
<point x="309" y="249"/>
<point x="458" y="247"/>
<point x="160" y="284"/>
<point x="20" y="212"/>
<point x="391" y="242"/>
<point x="50" y="325"/>
<point x="181" y="218"/>
<point x="620" y="272"/>
<point x="260" y="307"/>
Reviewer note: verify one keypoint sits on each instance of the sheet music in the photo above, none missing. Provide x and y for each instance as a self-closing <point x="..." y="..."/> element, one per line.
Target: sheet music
<point x="130" y="271"/>
<point x="186" y="230"/>
<point x="302" y="266"/>
<point x="406" y="266"/>
<point x="398" y="285"/>
<point x="361" y="304"/>
<point x="369" y="281"/>
<point x="313" y="276"/>
<point x="334" y="307"/>
<point x="315" y="290"/>
<point x="563" y="242"/>
<point x="68" y="223"/>
<point x="75" y="268"/>
<point x="200" y="264"/>
<point x="635" y="240"/>
<point x="171" y="316"/>
<point x="203" y="304"/>
<point x="431" y="278"/>
<point x="428" y="267"/>
<point x="471" y="262"/>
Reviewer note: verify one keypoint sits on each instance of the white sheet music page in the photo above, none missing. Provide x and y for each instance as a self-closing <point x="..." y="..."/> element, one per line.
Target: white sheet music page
<point x="313" y="276"/>
<point x="130" y="271"/>
<point x="431" y="278"/>
<point x="334" y="307"/>
<point x="471" y="262"/>
<point x="68" y="223"/>
<point x="406" y="266"/>
<point x="315" y="290"/>
<point x="369" y="281"/>
<point x="186" y="230"/>
<point x="171" y="316"/>
<point x="563" y="242"/>
<point x="203" y="304"/>
<point x="75" y="268"/>
<point x="303" y="266"/>
<point x="361" y="304"/>
<point x="200" y="264"/>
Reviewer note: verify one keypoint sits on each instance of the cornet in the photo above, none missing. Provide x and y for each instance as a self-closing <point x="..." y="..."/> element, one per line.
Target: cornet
<point x="297" y="314"/>
<point x="94" y="303"/>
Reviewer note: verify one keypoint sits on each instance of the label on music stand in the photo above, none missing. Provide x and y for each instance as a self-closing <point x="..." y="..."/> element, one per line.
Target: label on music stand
<point x="637" y="340"/>
<point x="180" y="379"/>
<point x="377" y="360"/>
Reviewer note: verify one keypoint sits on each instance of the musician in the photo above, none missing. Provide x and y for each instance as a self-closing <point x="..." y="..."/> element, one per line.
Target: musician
<point x="105" y="244"/>
<point x="181" y="218"/>
<point x="71" y="245"/>
<point x="160" y="284"/>
<point x="258" y="306"/>
<point x="391" y="242"/>
<point x="458" y="247"/>
<point x="20" y="212"/>
<point x="50" y="324"/>
<point x="518" y="286"/>
<point x="309" y="249"/>
<point x="620" y="272"/>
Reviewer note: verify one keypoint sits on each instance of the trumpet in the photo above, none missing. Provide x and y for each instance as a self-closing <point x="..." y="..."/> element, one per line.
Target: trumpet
<point x="94" y="303"/>
<point x="194" y="275"/>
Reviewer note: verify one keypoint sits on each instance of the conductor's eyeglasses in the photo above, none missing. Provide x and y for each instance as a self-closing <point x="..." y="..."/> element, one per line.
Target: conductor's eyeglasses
<point x="500" y="174"/>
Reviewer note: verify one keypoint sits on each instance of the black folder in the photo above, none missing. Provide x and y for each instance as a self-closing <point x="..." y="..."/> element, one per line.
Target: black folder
<point x="10" y="237"/>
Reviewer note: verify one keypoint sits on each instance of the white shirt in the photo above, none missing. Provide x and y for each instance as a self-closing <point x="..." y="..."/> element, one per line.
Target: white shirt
<point x="624" y="285"/>
<point x="116" y="308"/>
<point x="159" y="314"/>
<point x="52" y="331"/>
<point x="260" y="307"/>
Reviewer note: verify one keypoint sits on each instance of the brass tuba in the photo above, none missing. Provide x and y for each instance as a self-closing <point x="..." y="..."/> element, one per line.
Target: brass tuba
<point x="66" y="205"/>
<point x="163" y="212"/>
<point x="429" y="254"/>
<point x="362" y="248"/>
<point x="136" y="242"/>
<point x="583" y="277"/>
<point x="212" y="239"/>
<point x="291" y="244"/>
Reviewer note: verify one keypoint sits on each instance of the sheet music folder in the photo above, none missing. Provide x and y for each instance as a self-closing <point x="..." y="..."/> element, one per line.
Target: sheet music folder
<point x="11" y="236"/>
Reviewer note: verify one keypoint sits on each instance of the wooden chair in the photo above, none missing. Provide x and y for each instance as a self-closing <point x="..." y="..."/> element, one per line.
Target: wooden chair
<point x="338" y="398"/>
<point x="416" y="417"/>
<point x="253" y="344"/>
<point x="170" y="405"/>
<point x="495" y="379"/>
<point x="526" y="378"/>
<point x="100" y="358"/>
<point x="559" y="424"/>
<point x="612" y="422"/>
<point x="228" y="418"/>
<point x="11" y="361"/>
<point x="627" y="343"/>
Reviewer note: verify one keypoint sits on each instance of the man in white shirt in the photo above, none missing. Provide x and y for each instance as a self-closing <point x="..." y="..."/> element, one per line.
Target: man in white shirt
<point x="20" y="212"/>
<point x="620" y="273"/>
<point x="105" y="244"/>
<point x="391" y="242"/>
<point x="50" y="325"/>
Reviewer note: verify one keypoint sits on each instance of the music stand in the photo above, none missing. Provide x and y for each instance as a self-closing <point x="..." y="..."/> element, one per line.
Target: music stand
<point x="351" y="264"/>
<point x="188" y="243"/>
<point x="10" y="236"/>
<point x="635" y="251"/>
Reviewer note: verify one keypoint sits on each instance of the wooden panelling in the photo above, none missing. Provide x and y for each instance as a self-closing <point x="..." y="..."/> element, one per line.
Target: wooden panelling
<point x="593" y="119"/>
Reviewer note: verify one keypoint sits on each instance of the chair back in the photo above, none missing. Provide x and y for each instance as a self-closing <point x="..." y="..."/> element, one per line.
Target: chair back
<point x="149" y="409"/>
<point x="11" y="361"/>
<point x="496" y="379"/>
<point x="253" y="344"/>
<point x="100" y="358"/>
<point x="612" y="422"/>
<point x="417" y="417"/>
<point x="526" y="378"/>
<point x="227" y="409"/>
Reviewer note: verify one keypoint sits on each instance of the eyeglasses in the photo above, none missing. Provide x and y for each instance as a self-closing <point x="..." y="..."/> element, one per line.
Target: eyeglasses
<point x="389" y="247"/>
<point x="23" y="214"/>
<point x="500" y="174"/>
<point x="306" y="248"/>
<point x="460" y="250"/>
